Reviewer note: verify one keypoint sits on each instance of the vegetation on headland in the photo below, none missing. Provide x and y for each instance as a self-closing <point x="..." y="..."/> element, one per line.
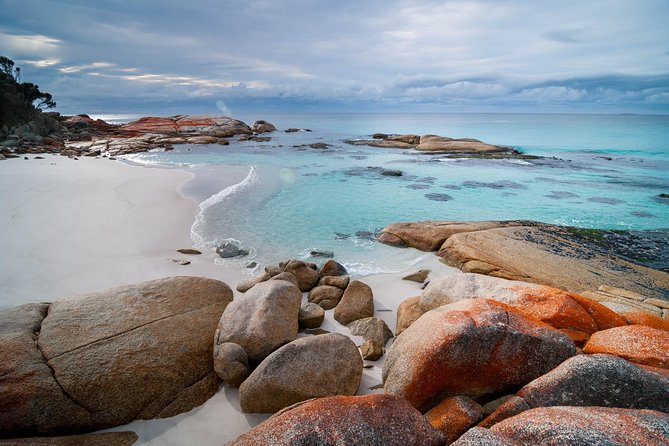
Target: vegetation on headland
<point x="20" y="101"/>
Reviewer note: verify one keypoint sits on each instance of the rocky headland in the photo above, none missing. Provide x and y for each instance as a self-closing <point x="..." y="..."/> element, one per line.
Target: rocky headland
<point x="80" y="135"/>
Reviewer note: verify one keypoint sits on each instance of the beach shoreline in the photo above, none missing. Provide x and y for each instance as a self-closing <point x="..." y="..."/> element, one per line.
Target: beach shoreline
<point x="81" y="226"/>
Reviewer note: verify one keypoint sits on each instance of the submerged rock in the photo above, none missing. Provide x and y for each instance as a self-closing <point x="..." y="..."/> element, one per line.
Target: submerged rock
<point x="229" y="250"/>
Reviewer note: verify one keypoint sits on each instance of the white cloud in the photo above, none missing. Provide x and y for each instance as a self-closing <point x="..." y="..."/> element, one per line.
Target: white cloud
<point x="29" y="44"/>
<point x="43" y="63"/>
<point x="91" y="66"/>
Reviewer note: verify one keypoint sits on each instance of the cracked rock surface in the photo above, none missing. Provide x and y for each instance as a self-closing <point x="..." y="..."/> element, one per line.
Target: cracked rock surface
<point x="104" y="359"/>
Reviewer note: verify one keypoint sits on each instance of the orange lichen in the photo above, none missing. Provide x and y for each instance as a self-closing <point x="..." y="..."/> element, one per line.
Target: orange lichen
<point x="636" y="343"/>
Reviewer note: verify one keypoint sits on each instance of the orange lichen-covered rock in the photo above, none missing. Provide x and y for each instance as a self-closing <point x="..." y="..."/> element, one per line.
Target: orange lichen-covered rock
<point x="604" y="317"/>
<point x="579" y="337"/>
<point x="560" y="309"/>
<point x="454" y="416"/>
<point x="151" y="124"/>
<point x="647" y="319"/>
<point x="548" y="426"/>
<point x="472" y="347"/>
<point x="507" y="409"/>
<point x="636" y="343"/>
<point x="368" y="420"/>
<point x="219" y="126"/>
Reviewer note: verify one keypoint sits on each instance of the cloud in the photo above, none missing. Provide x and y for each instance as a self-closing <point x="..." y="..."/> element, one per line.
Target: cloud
<point x="478" y="53"/>
<point x="43" y="63"/>
<point x="91" y="66"/>
<point x="28" y="44"/>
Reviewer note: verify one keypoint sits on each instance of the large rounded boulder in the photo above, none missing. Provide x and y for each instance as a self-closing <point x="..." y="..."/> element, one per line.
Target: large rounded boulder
<point x="311" y="367"/>
<point x="636" y="343"/>
<point x="557" y="426"/>
<point x="369" y="420"/>
<point x="599" y="380"/>
<point x="472" y="347"/>
<point x="560" y="309"/>
<point x="261" y="320"/>
<point x="103" y="359"/>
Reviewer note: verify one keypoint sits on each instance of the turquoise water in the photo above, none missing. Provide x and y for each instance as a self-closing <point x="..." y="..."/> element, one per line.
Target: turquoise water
<point x="603" y="171"/>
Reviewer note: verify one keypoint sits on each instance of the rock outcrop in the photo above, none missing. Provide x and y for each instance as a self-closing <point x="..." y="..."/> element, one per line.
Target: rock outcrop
<point x="553" y="426"/>
<point x="636" y="343"/>
<point x="434" y="144"/>
<point x="311" y="367"/>
<point x="261" y="320"/>
<point x="430" y="235"/>
<point x="103" y="439"/>
<point x="454" y="416"/>
<point x="231" y="363"/>
<point x="306" y="276"/>
<point x="108" y="358"/>
<point x="599" y="380"/>
<point x="407" y="313"/>
<point x="262" y="127"/>
<point x="566" y="258"/>
<point x="326" y="296"/>
<point x="311" y="315"/>
<point x="473" y="347"/>
<point x="369" y="420"/>
<point x="560" y="309"/>
<point x="357" y="302"/>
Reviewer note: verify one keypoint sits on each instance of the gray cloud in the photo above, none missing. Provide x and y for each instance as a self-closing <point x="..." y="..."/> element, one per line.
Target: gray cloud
<point x="376" y="54"/>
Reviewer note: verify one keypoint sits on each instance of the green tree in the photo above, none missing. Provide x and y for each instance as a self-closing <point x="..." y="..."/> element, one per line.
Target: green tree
<point x="19" y="101"/>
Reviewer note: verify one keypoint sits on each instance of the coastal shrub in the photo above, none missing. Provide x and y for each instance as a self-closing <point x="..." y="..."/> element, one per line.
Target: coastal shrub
<point x="20" y="101"/>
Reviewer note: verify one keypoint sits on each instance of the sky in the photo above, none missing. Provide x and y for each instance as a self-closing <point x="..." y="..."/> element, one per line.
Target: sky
<point x="169" y="56"/>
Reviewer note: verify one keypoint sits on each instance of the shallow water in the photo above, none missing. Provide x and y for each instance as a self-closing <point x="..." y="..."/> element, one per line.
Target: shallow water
<point x="601" y="171"/>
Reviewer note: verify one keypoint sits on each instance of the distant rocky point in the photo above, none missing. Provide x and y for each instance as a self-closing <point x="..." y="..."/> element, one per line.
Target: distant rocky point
<point x="435" y="144"/>
<point x="81" y="135"/>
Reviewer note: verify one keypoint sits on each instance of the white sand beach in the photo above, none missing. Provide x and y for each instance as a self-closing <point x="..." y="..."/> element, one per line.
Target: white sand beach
<point x="78" y="226"/>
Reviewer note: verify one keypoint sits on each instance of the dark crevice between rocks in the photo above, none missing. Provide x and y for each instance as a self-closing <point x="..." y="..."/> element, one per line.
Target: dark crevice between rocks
<point x="53" y="372"/>
<point x="165" y="411"/>
<point x="133" y="329"/>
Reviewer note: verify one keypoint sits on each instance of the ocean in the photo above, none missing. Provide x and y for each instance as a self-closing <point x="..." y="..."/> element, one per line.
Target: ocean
<point x="596" y="171"/>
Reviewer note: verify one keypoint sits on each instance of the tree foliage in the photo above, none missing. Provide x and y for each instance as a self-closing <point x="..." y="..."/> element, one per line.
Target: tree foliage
<point x="19" y="101"/>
